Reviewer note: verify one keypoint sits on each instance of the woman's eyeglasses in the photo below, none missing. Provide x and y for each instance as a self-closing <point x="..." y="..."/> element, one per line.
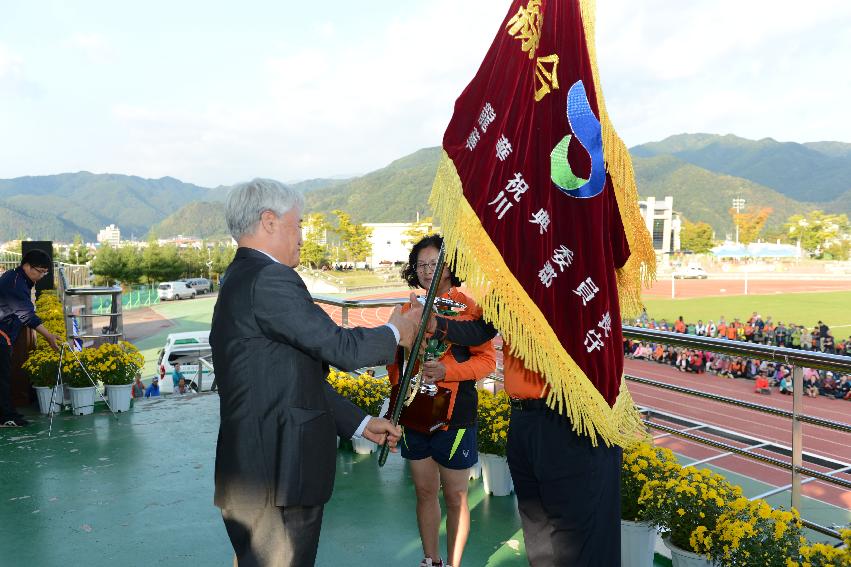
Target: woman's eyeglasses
<point x="421" y="266"/>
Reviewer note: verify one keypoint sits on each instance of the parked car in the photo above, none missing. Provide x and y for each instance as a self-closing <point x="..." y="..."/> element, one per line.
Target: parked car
<point x="691" y="272"/>
<point x="200" y="285"/>
<point x="185" y="348"/>
<point x="168" y="291"/>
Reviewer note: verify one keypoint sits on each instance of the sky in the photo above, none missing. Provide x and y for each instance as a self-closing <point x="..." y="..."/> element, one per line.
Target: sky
<point x="215" y="92"/>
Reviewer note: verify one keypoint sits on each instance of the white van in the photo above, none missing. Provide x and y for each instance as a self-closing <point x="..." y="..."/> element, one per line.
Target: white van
<point x="174" y="290"/>
<point x="184" y="348"/>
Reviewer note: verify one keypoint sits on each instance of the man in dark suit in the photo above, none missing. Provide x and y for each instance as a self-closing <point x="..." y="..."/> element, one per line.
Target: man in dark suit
<point x="272" y="345"/>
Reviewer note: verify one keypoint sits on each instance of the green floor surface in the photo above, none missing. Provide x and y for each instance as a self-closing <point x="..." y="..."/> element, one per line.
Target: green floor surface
<point x="137" y="491"/>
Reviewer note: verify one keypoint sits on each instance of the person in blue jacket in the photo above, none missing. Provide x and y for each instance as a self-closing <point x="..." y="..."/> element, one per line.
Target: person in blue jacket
<point x="16" y="312"/>
<point x="153" y="390"/>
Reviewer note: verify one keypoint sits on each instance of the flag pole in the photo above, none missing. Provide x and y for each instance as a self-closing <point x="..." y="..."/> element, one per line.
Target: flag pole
<point x="405" y="380"/>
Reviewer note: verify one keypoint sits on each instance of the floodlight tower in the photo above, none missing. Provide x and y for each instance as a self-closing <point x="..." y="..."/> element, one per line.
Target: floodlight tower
<point x="738" y="205"/>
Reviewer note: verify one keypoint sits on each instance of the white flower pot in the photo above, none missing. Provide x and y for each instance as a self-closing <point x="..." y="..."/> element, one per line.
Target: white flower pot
<point x="683" y="558"/>
<point x="119" y="396"/>
<point x="637" y="542"/>
<point x="44" y="394"/>
<point x="476" y="471"/>
<point x="363" y="446"/>
<point x="495" y="475"/>
<point x="82" y="400"/>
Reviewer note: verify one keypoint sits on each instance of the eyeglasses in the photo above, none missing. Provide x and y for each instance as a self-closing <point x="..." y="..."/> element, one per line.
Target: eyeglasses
<point x="421" y="266"/>
<point x="42" y="271"/>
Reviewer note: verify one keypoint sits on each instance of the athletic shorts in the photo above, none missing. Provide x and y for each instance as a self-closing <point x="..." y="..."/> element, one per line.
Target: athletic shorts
<point x="453" y="448"/>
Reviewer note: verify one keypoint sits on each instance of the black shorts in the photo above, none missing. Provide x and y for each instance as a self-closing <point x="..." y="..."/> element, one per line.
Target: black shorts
<point x="453" y="448"/>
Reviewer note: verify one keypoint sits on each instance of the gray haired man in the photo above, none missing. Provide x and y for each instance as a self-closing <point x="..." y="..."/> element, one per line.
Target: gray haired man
<point x="272" y="346"/>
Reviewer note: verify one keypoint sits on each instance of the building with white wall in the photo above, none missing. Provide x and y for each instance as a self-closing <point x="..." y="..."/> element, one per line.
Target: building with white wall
<point x="110" y="235"/>
<point x="389" y="242"/>
<point x="663" y="223"/>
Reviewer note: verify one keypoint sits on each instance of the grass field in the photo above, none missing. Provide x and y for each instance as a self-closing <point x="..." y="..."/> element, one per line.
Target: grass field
<point x="834" y="308"/>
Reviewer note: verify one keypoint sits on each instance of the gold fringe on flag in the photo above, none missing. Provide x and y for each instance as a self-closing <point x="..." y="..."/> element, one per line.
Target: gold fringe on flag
<point x="505" y="303"/>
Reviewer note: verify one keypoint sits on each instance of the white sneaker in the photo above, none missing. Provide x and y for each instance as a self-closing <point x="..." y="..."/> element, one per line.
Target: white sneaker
<point x="427" y="562"/>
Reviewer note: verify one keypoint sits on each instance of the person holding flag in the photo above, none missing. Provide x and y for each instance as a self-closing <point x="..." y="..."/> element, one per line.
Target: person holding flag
<point x="540" y="216"/>
<point x="441" y="460"/>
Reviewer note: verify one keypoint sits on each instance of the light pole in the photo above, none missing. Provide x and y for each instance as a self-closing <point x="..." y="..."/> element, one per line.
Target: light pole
<point x="738" y="205"/>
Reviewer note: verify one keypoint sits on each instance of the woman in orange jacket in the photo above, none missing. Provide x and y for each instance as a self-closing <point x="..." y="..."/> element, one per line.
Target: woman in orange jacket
<point x="445" y="456"/>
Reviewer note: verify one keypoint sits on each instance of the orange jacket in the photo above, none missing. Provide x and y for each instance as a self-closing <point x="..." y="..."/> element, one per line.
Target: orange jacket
<point x="482" y="359"/>
<point x="520" y="382"/>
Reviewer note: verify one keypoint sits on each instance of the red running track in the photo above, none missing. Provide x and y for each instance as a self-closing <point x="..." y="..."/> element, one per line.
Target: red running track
<point x="719" y="287"/>
<point x="817" y="440"/>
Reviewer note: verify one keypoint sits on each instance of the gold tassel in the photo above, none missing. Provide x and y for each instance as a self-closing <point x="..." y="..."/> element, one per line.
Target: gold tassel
<point x="506" y="304"/>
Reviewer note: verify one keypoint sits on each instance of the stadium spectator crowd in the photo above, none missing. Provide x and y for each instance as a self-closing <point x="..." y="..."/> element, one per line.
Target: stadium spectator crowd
<point x="766" y="374"/>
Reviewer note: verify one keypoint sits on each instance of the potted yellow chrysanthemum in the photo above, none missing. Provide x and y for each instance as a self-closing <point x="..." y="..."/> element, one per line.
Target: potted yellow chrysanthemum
<point x="42" y="367"/>
<point x="116" y="365"/>
<point x="78" y="379"/>
<point x="365" y="391"/>
<point x="752" y="533"/>
<point x="494" y="415"/>
<point x="682" y="502"/>
<point x="642" y="463"/>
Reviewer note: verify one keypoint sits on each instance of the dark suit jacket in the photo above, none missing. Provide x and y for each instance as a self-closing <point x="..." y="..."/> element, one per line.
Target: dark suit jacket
<point x="279" y="416"/>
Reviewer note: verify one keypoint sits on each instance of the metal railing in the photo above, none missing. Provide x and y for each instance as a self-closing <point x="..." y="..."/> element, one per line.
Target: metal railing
<point x="347" y="304"/>
<point x="798" y="360"/>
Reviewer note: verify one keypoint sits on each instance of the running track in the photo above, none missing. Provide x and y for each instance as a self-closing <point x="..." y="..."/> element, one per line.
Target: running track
<point x="723" y="287"/>
<point x="820" y="441"/>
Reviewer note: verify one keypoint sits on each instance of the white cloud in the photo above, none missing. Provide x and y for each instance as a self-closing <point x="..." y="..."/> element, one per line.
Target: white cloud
<point x="752" y="68"/>
<point x="326" y="112"/>
<point x="351" y="96"/>
<point x="95" y="47"/>
<point x="10" y="64"/>
<point x="14" y="80"/>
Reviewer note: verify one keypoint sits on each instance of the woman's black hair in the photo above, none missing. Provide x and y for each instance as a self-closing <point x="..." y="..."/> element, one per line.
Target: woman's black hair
<point x="36" y="258"/>
<point x="409" y="271"/>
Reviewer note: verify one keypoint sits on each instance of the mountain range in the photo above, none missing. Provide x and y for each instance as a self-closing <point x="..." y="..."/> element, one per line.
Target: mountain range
<point x="702" y="172"/>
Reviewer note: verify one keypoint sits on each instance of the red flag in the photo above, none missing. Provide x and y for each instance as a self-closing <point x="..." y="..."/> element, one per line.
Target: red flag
<point x="537" y="201"/>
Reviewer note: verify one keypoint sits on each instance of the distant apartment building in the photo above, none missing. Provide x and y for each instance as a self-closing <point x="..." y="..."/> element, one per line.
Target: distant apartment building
<point x="110" y="235"/>
<point x="663" y="223"/>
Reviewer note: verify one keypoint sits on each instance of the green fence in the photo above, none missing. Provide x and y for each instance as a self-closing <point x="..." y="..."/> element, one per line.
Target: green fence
<point x="137" y="296"/>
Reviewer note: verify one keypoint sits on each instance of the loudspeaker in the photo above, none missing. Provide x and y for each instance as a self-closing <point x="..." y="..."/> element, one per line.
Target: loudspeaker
<point x="45" y="246"/>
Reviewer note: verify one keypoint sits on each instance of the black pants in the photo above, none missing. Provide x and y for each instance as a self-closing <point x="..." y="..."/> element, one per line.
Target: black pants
<point x="6" y="408"/>
<point x="273" y="536"/>
<point x="568" y="492"/>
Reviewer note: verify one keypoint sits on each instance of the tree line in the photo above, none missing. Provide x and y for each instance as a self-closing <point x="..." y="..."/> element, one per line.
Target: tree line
<point x="822" y="235"/>
<point x="157" y="262"/>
